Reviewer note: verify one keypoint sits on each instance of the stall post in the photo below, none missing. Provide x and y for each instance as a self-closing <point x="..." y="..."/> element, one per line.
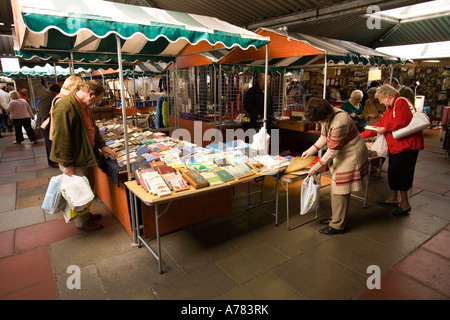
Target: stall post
<point x="266" y="73"/>
<point x="124" y="111"/>
<point x="325" y="77"/>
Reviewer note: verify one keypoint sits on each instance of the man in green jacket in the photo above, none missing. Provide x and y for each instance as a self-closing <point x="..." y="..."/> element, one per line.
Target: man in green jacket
<point x="76" y="139"/>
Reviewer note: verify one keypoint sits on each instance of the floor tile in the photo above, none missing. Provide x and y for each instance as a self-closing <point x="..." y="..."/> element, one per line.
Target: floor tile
<point x="21" y="185"/>
<point x="191" y="250"/>
<point x="9" y="188"/>
<point x="13" y="154"/>
<point x="429" y="268"/>
<point x="265" y="287"/>
<point x="25" y="270"/>
<point x="318" y="277"/>
<point x="43" y="234"/>
<point x="8" y="202"/>
<point x="45" y="290"/>
<point x="439" y="243"/>
<point x="8" y="170"/>
<point x="87" y="248"/>
<point x="141" y="274"/>
<point x="91" y="287"/>
<point x="431" y="203"/>
<point x="32" y="167"/>
<point x="395" y="285"/>
<point x="22" y="176"/>
<point x="20" y="218"/>
<point x="358" y="253"/>
<point x="7" y="243"/>
<point x="241" y="267"/>
<point x="179" y="288"/>
<point x="17" y="158"/>
<point x="430" y="185"/>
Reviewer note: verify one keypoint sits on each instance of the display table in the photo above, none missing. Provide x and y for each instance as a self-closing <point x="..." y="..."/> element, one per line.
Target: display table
<point x="371" y="161"/>
<point x="138" y="195"/>
<point x="286" y="179"/>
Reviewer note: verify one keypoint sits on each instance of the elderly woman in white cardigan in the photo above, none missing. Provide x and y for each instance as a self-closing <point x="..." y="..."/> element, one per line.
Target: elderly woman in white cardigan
<point x="346" y="156"/>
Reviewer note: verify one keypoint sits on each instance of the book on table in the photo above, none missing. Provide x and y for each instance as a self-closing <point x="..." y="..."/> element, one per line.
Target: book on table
<point x="212" y="178"/>
<point x="176" y="181"/>
<point x="159" y="186"/>
<point x="194" y="178"/>
<point x="241" y="171"/>
<point x="224" y="175"/>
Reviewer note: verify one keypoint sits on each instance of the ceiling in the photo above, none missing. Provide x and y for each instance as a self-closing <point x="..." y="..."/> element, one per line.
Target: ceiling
<point x="343" y="20"/>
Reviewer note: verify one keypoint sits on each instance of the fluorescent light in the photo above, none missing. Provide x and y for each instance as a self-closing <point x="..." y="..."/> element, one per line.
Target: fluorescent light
<point x="427" y="51"/>
<point x="432" y="61"/>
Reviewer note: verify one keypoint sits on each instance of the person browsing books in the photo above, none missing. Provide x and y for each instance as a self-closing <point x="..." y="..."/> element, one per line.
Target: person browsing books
<point x="77" y="139"/>
<point x="355" y="109"/>
<point x="346" y="156"/>
<point x="373" y="109"/>
<point x="402" y="152"/>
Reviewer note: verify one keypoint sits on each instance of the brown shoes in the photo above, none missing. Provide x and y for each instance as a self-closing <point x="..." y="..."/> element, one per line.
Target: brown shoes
<point x="90" y="226"/>
<point x="94" y="216"/>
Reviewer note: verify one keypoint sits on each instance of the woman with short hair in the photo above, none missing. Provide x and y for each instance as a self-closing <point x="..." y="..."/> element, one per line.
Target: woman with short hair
<point x="355" y="109"/>
<point x="402" y="152"/>
<point x="346" y="156"/>
<point x="21" y="114"/>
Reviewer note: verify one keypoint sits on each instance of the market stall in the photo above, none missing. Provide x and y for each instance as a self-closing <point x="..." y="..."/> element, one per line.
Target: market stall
<point x="116" y="30"/>
<point x="311" y="66"/>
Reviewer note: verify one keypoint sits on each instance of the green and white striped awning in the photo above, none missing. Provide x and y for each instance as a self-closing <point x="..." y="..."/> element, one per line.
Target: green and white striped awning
<point x="46" y="71"/>
<point x="92" y="26"/>
<point x="336" y="52"/>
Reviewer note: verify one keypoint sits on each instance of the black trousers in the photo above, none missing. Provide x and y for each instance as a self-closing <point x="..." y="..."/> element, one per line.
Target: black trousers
<point x="48" y="146"/>
<point x="401" y="170"/>
<point x="26" y="124"/>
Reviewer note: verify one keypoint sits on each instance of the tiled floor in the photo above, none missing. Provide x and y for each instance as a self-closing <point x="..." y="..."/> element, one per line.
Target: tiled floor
<point x="241" y="256"/>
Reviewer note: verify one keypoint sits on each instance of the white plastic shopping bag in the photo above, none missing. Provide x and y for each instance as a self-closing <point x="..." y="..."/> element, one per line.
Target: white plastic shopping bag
<point x="310" y="194"/>
<point x="77" y="192"/>
<point x="260" y="142"/>
<point x="380" y="146"/>
<point x="54" y="202"/>
<point x="70" y="214"/>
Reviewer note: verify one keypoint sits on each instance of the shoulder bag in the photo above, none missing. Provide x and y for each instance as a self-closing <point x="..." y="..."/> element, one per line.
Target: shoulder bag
<point x="419" y="122"/>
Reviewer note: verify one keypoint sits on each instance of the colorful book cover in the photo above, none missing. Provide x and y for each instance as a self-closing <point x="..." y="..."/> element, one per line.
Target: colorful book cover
<point x="224" y="175"/>
<point x="212" y="178"/>
<point x="176" y="181"/>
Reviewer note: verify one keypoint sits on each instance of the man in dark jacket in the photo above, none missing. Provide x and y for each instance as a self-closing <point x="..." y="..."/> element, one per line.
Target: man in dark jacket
<point x="254" y="104"/>
<point x="45" y="103"/>
<point x="404" y="91"/>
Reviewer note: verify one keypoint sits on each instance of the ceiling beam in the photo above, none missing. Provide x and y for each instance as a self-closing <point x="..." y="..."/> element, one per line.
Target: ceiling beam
<point x="346" y="8"/>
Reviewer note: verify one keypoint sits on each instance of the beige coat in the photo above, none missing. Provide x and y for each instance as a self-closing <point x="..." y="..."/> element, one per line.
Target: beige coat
<point x="346" y="154"/>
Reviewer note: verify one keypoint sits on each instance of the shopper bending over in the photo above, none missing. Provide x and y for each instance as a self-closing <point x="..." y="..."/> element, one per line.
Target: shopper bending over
<point x="76" y="139"/>
<point x="402" y="152"/>
<point x="346" y="156"/>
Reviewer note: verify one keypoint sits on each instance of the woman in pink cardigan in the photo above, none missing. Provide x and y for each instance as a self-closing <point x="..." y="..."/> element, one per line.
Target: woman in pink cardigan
<point x="21" y="114"/>
<point x="346" y="157"/>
